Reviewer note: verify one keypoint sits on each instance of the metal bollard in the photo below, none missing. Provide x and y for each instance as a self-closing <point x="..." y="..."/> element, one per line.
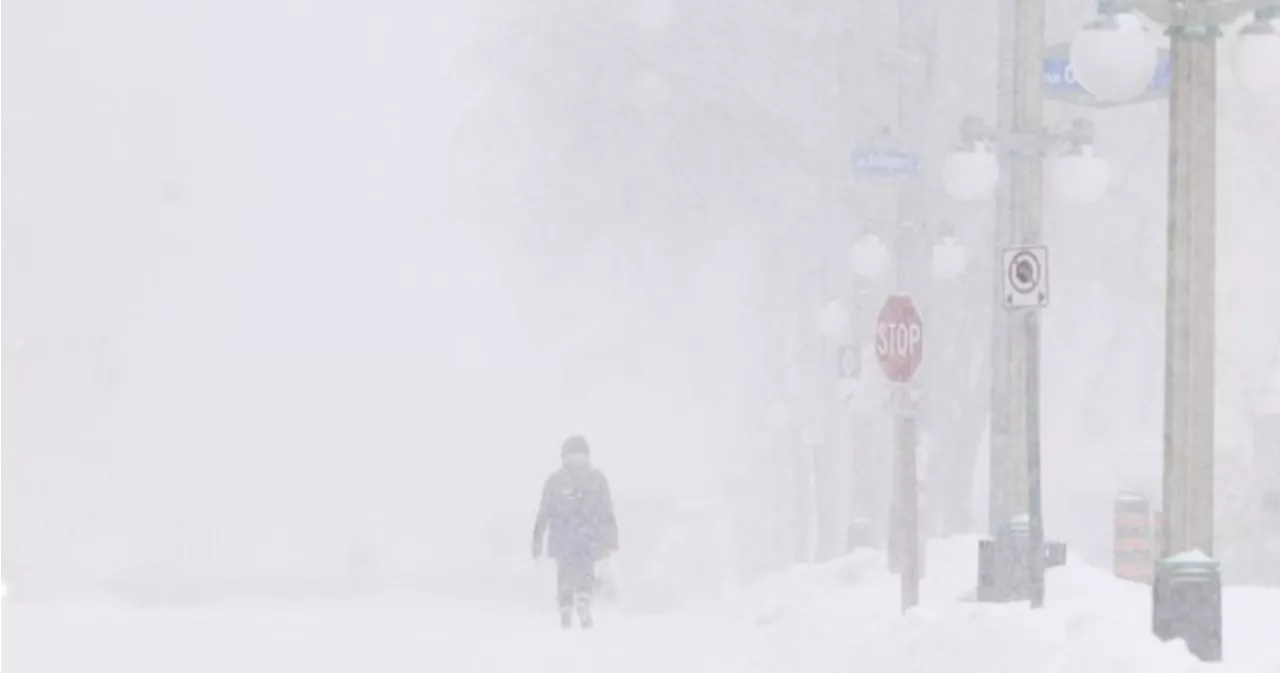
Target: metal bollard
<point x="1014" y="550"/>
<point x="1003" y="567"/>
<point x="988" y="581"/>
<point x="1187" y="603"/>
<point x="1055" y="554"/>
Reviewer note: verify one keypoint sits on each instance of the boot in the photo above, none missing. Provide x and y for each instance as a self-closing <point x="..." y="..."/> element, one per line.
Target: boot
<point x="566" y="617"/>
<point x="584" y="611"/>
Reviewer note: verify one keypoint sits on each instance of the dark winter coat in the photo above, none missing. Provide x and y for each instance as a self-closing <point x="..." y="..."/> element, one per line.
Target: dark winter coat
<point x="578" y="511"/>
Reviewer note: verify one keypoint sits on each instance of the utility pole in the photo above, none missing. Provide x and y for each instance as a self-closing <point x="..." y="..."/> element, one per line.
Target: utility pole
<point x="1027" y="206"/>
<point x="1014" y="480"/>
<point x="917" y="25"/>
<point x="1001" y="476"/>
<point x="1014" y="505"/>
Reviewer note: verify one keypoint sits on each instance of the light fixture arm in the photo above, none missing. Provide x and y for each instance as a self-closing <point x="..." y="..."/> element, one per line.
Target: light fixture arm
<point x="1199" y="18"/>
<point x="1048" y="141"/>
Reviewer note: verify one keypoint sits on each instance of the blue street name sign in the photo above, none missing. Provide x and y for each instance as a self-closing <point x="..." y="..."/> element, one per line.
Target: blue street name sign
<point x="885" y="162"/>
<point x="1060" y="83"/>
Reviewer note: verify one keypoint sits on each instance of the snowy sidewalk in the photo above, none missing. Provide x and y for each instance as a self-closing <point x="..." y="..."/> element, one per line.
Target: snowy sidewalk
<point x="843" y="616"/>
<point x="839" y="617"/>
<point x="278" y="641"/>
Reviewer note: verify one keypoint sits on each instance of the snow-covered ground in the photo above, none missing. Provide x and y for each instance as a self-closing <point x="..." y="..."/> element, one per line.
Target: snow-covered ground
<point x="840" y="616"/>
<point x="319" y="641"/>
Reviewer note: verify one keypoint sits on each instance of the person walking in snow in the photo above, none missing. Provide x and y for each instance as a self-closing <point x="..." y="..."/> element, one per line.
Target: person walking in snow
<point x="576" y="517"/>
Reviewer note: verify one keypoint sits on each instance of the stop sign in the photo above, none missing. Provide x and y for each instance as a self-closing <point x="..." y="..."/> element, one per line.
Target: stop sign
<point x="899" y="338"/>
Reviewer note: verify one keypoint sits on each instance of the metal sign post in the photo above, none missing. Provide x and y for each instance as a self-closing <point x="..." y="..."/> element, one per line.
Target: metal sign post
<point x="900" y="350"/>
<point x="1026" y="286"/>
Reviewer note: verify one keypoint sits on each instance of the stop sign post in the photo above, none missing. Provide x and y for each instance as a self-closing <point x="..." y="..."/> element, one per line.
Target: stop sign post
<point x="899" y="338"/>
<point x="900" y="349"/>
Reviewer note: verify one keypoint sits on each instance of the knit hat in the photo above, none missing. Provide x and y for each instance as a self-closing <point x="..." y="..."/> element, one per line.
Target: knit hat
<point x="575" y="444"/>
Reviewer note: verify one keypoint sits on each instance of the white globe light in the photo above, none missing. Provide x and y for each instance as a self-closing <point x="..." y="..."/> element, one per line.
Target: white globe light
<point x="1114" y="58"/>
<point x="950" y="259"/>
<point x="971" y="175"/>
<point x="1080" y="178"/>
<point x="869" y="257"/>
<point x="1256" y="57"/>
<point x="835" y="320"/>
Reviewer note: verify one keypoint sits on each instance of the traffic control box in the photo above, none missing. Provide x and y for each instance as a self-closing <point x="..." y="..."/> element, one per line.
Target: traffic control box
<point x="1133" y="551"/>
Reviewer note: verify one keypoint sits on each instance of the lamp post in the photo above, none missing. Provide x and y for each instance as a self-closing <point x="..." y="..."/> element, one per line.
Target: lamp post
<point x="869" y="259"/>
<point x="917" y="24"/>
<point x="1111" y="59"/>
<point x="1079" y="177"/>
<point x="945" y="305"/>
<point x="835" y="325"/>
<point x="1187" y="600"/>
<point x="973" y="173"/>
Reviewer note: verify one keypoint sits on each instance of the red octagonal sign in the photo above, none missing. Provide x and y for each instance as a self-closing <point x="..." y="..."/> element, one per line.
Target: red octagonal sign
<point x="899" y="338"/>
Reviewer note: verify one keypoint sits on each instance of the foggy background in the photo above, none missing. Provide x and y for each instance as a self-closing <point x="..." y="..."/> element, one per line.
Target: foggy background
<point x="240" y="322"/>
<point x="279" y="276"/>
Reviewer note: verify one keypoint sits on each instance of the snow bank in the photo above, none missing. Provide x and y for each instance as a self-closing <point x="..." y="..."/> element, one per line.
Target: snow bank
<point x="843" y="616"/>
<point x="1251" y="622"/>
